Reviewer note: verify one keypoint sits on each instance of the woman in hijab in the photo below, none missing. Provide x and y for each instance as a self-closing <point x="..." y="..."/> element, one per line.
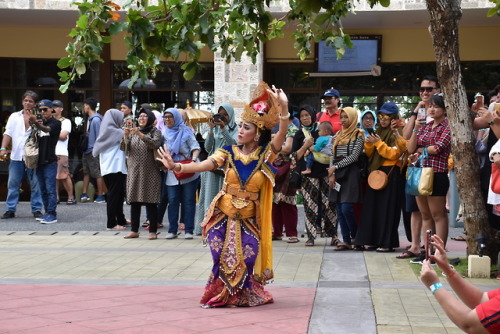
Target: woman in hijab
<point x="143" y="181"/>
<point x="346" y="150"/>
<point x="182" y="146"/>
<point x="314" y="186"/>
<point x="382" y="208"/>
<point x="223" y="132"/>
<point x="368" y="122"/>
<point x="113" y="167"/>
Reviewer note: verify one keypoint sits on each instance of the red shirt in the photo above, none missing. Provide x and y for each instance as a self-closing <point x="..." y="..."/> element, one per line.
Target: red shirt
<point x="440" y="138"/>
<point x="333" y="119"/>
<point x="489" y="312"/>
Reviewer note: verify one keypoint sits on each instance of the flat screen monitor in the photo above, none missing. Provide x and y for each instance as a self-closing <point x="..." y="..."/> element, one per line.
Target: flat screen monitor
<point x="365" y="52"/>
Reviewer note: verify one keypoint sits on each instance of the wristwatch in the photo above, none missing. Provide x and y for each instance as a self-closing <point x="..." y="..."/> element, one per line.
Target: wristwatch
<point x="490" y="123"/>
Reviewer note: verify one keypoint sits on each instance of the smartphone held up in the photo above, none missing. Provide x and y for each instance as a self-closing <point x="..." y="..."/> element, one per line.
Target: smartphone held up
<point x="428" y="246"/>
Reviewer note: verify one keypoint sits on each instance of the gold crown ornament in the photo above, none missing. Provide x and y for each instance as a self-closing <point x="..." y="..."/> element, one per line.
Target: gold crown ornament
<point x="264" y="109"/>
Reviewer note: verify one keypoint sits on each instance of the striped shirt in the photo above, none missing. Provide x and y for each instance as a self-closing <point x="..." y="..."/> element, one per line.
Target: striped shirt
<point x="440" y="138"/>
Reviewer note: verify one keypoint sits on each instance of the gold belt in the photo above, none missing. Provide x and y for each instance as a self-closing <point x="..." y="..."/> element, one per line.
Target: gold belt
<point x="240" y="193"/>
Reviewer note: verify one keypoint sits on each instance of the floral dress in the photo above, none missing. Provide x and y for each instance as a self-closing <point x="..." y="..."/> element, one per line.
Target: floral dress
<point x="238" y="229"/>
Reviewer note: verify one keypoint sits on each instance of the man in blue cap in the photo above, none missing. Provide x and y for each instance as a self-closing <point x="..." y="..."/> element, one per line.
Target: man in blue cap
<point x="331" y="99"/>
<point x="48" y="129"/>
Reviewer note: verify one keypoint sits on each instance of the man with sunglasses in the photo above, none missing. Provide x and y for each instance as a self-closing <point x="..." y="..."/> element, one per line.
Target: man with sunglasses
<point x="49" y="130"/>
<point x="428" y="87"/>
<point x="17" y="131"/>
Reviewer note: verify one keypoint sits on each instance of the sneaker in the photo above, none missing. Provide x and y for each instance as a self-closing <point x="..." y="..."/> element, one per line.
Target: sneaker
<point x="71" y="201"/>
<point x="419" y="259"/>
<point x="42" y="217"/>
<point x="49" y="220"/>
<point x="171" y="235"/>
<point x="100" y="199"/>
<point x="37" y="214"/>
<point x="8" y="214"/>
<point x="188" y="236"/>
<point x="84" y="198"/>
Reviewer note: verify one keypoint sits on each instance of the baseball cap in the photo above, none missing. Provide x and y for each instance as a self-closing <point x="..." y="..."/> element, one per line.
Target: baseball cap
<point x="331" y="92"/>
<point x="57" y="103"/>
<point x="389" y="108"/>
<point x="46" y="103"/>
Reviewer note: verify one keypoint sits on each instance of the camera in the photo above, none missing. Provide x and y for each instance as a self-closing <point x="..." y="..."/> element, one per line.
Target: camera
<point x="218" y="118"/>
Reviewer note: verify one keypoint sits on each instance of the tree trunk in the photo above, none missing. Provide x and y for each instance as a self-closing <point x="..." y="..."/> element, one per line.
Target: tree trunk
<point x="445" y="15"/>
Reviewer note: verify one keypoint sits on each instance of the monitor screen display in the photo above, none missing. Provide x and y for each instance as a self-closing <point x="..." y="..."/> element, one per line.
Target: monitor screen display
<point x="364" y="53"/>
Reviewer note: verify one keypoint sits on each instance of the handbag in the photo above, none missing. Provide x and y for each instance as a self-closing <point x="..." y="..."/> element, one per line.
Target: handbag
<point x="182" y="176"/>
<point x="495" y="179"/>
<point x="419" y="180"/>
<point x="378" y="179"/>
<point x="31" y="150"/>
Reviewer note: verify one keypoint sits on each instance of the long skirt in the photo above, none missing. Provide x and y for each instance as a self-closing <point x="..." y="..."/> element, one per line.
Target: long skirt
<point x="381" y="213"/>
<point x="231" y="281"/>
<point x="320" y="213"/>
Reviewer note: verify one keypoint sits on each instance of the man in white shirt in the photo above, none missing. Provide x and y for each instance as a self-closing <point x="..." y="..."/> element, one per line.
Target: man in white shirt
<point x="63" y="174"/>
<point x="17" y="131"/>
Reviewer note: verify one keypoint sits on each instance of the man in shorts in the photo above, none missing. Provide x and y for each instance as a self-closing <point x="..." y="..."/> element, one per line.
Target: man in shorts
<point x="91" y="166"/>
<point x="63" y="174"/>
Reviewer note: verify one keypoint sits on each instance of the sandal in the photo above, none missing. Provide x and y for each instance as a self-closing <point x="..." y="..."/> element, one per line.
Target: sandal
<point x="71" y="201"/>
<point x="335" y="241"/>
<point x="359" y="248"/>
<point x="460" y="238"/>
<point x="146" y="223"/>
<point x="310" y="242"/>
<point x="160" y="225"/>
<point x="277" y="238"/>
<point x="293" y="240"/>
<point x="407" y="255"/>
<point x="153" y="236"/>
<point x="342" y="247"/>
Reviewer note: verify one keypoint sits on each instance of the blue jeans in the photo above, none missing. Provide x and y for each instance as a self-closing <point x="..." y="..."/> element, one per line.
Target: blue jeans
<point x="17" y="172"/>
<point x="347" y="221"/>
<point x="47" y="178"/>
<point x="184" y="194"/>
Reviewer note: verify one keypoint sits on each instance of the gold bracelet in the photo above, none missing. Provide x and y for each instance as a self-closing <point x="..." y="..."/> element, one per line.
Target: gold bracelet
<point x="181" y="168"/>
<point x="453" y="272"/>
<point x="285" y="117"/>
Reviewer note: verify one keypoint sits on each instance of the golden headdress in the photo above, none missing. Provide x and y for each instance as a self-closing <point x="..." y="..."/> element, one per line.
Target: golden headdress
<point x="264" y="109"/>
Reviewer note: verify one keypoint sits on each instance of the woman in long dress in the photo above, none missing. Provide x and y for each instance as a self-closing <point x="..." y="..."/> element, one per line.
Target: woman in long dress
<point x="223" y="132"/>
<point x="238" y="225"/>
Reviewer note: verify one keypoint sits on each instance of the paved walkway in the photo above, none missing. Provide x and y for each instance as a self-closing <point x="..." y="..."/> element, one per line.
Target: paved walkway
<point x="75" y="277"/>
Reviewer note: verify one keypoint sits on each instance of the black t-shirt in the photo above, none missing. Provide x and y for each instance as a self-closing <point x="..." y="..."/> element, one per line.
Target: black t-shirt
<point x="48" y="141"/>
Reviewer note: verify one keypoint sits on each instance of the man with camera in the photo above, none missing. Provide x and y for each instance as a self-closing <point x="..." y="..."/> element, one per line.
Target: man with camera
<point x="48" y="129"/>
<point x="17" y="131"/>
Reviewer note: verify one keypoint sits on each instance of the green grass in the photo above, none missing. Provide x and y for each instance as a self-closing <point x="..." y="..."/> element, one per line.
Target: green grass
<point x="462" y="268"/>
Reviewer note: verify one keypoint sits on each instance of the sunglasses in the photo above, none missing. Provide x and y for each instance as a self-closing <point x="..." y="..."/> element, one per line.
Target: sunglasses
<point x="381" y="117"/>
<point x="426" y="89"/>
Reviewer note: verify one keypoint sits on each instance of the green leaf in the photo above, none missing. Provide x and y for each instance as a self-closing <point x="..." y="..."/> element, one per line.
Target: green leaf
<point x="64" y="88"/>
<point x="493" y="11"/>
<point x="321" y="18"/>
<point x="63" y="76"/>
<point x="116" y="27"/>
<point x="385" y="3"/>
<point x="80" y="69"/>
<point x="64" y="62"/>
<point x="82" y="22"/>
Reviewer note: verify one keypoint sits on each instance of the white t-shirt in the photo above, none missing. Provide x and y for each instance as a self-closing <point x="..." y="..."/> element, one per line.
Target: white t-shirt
<point x="62" y="145"/>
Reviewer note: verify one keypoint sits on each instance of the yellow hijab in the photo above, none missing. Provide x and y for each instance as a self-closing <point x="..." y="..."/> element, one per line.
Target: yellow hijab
<point x="349" y="133"/>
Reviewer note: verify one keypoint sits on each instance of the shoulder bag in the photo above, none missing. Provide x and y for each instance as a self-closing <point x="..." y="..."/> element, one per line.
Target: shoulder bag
<point x="31" y="150"/>
<point x="378" y="179"/>
<point x="182" y="176"/>
<point x="419" y="180"/>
